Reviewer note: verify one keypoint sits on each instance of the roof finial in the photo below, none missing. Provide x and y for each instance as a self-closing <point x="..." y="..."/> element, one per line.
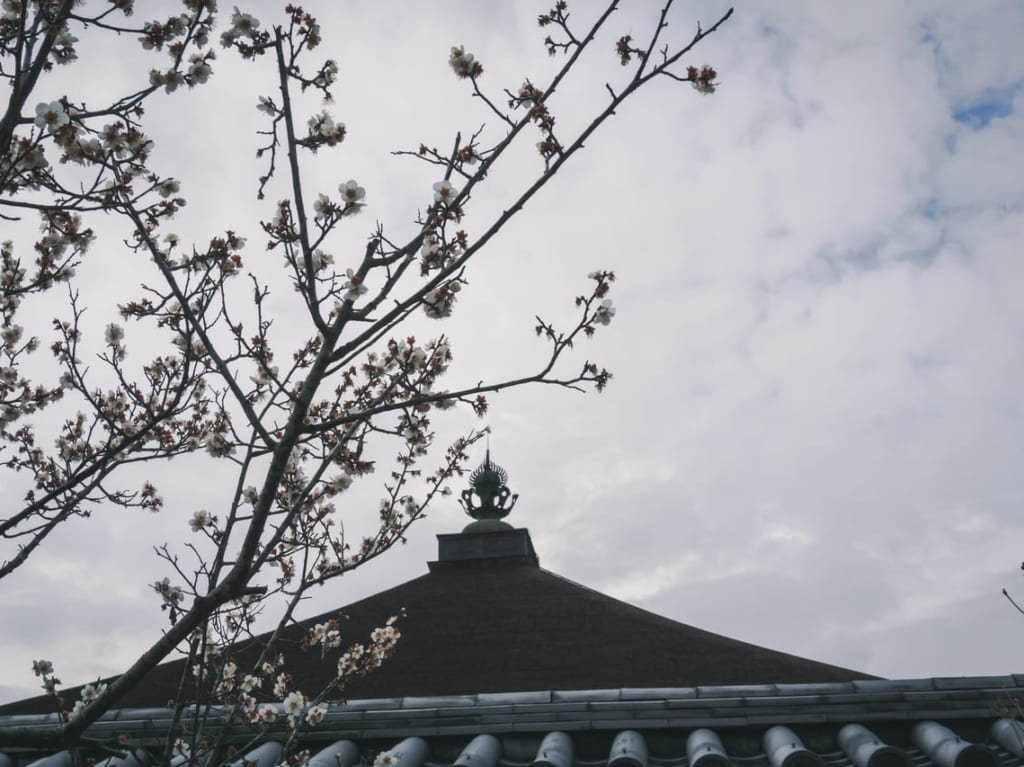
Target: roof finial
<point x="488" y="497"/>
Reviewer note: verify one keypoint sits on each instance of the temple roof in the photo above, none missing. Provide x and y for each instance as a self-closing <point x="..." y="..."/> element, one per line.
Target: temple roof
<point x="504" y="664"/>
<point x="489" y="619"/>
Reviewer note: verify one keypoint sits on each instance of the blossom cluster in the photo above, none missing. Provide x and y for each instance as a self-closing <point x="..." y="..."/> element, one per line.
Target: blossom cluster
<point x="624" y="50"/>
<point x="604" y="312"/>
<point x="89" y="694"/>
<point x="200" y="520"/>
<point x="240" y="689"/>
<point x="55" y="261"/>
<point x="327" y="75"/>
<point x="324" y="130"/>
<point x="117" y="143"/>
<point x="556" y="14"/>
<point x="538" y="113"/>
<point x="354" y="286"/>
<point x="438" y="303"/>
<point x="44" y="668"/>
<point x="437" y="252"/>
<point x="702" y="79"/>
<point x="243" y="25"/>
<point x="172" y="595"/>
<point x="468" y="155"/>
<point x="463" y="64"/>
<point x="359" y="659"/>
<point x="603" y="309"/>
<point x="352" y="196"/>
<point x="526" y="96"/>
<point x="16" y="18"/>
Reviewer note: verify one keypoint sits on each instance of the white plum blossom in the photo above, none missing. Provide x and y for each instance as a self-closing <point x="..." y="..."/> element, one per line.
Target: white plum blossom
<point x="322" y="126"/>
<point x="250" y="683"/>
<point x="441" y="355"/>
<point x="267" y="714"/>
<point x="33" y="159"/>
<point x="218" y="446"/>
<point x="340" y="483"/>
<point x="352" y="193"/>
<point x="315" y="715"/>
<point x="354" y="287"/>
<point x="385" y="759"/>
<point x="265" y="375"/>
<point x="170" y="79"/>
<point x="294" y="703"/>
<point x="173" y="80"/>
<point x="281" y="685"/>
<point x="199" y="70"/>
<point x="266" y="105"/>
<point x="328" y="74"/>
<point x="322" y="205"/>
<point x="91" y="692"/>
<point x="114" y="139"/>
<point x="438" y="302"/>
<point x="444" y="191"/>
<point x="42" y="667"/>
<point x="385" y="637"/>
<point x="172" y="595"/>
<point x="248" y="703"/>
<point x="319" y="259"/>
<point x="463" y="64"/>
<point x="52" y="116"/>
<point x="604" y="312"/>
<point x="11" y="334"/>
<point x="431" y="246"/>
<point x="244" y="24"/>
<point x="527" y="94"/>
<point x="168" y="187"/>
<point x="319" y="632"/>
<point x="200" y="519"/>
<point x="114" y="335"/>
<point x="702" y="79"/>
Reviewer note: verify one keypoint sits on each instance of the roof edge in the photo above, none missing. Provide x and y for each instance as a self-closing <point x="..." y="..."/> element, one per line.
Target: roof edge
<point x="642" y="708"/>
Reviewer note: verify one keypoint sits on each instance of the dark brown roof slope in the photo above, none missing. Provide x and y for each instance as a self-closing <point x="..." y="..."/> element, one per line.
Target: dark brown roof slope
<point x="492" y="626"/>
<point x="517" y="628"/>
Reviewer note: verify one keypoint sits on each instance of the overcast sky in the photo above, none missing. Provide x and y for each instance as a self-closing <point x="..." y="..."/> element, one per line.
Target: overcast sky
<point x="814" y="437"/>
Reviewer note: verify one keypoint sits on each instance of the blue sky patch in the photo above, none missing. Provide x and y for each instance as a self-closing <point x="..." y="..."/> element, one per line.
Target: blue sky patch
<point x="992" y="103"/>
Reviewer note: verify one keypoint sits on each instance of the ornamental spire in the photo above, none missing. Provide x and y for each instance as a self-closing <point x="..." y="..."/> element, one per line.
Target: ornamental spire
<point x="488" y="497"/>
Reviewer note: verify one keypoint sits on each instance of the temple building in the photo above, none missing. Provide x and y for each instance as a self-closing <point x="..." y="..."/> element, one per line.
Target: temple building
<point x="504" y="664"/>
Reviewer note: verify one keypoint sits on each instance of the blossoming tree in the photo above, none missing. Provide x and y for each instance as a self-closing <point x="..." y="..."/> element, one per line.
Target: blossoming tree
<point x="294" y="429"/>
